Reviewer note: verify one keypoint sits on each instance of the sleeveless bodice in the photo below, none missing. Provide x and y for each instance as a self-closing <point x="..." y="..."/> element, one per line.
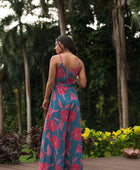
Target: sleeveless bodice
<point x="65" y="77"/>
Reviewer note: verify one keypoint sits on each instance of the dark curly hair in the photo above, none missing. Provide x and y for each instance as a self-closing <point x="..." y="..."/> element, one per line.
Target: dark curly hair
<point x="67" y="42"/>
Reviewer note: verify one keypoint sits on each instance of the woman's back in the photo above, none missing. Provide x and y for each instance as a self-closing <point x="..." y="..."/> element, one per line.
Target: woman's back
<point x="68" y="67"/>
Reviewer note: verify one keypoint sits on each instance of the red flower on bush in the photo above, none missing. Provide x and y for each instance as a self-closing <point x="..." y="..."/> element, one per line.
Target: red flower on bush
<point x="76" y="134"/>
<point x="75" y="167"/>
<point x="52" y="126"/>
<point x="55" y="142"/>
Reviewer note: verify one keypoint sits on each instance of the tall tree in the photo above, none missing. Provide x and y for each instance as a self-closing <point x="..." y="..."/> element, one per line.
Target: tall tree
<point x="59" y="4"/>
<point x="19" y="7"/>
<point x="1" y="99"/>
<point x="122" y="66"/>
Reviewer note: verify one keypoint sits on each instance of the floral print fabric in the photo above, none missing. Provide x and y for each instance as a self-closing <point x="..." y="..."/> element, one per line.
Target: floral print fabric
<point x="61" y="147"/>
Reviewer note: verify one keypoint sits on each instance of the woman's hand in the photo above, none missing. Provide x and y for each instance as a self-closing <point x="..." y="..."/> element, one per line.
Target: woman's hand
<point x="45" y="104"/>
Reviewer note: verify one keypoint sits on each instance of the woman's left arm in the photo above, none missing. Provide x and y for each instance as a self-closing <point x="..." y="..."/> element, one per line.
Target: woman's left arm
<point x="50" y="82"/>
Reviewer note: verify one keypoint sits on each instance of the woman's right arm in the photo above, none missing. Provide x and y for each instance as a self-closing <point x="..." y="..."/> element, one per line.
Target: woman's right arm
<point x="81" y="78"/>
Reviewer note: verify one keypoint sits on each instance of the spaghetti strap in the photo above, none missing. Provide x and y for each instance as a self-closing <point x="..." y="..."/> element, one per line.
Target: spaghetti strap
<point x="60" y="58"/>
<point x="79" y="62"/>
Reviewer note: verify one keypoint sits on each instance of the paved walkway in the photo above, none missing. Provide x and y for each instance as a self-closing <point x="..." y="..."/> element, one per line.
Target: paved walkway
<point x="107" y="163"/>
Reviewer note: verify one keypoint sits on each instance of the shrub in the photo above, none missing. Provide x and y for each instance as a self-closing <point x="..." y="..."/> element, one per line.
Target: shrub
<point x="100" y="144"/>
<point x="11" y="145"/>
<point x="34" y="145"/>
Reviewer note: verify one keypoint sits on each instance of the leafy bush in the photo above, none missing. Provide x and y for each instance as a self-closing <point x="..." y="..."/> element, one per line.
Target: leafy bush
<point x="101" y="144"/>
<point x="34" y="145"/>
<point x="11" y="145"/>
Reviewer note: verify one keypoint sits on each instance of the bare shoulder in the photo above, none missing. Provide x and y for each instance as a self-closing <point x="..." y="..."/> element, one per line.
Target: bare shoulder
<point x="54" y="58"/>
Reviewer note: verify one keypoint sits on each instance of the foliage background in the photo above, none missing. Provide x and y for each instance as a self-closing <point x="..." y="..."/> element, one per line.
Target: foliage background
<point x="99" y="106"/>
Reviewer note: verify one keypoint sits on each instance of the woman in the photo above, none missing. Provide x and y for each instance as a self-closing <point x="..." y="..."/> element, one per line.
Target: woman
<point x="61" y="147"/>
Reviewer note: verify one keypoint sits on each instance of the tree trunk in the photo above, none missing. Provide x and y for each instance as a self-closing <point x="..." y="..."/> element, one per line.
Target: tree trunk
<point x="120" y="48"/>
<point x="1" y="108"/>
<point x="59" y="4"/>
<point x="28" y="93"/>
<point x="19" y="101"/>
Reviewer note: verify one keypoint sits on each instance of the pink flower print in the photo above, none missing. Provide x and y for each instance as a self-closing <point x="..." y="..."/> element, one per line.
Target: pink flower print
<point x="67" y="162"/>
<point x="57" y="167"/>
<point x="77" y="108"/>
<point x="70" y="80"/>
<point x="72" y="116"/>
<point x="45" y="126"/>
<point x="55" y="142"/>
<point x="76" y="134"/>
<point x="60" y="73"/>
<point x="60" y="104"/>
<point x="72" y="96"/>
<point x="75" y="167"/>
<point x="81" y="160"/>
<point x="49" y="114"/>
<point x="68" y="127"/>
<point x="75" y="71"/>
<point x="64" y="115"/>
<point x="64" y="136"/>
<point x="48" y="150"/>
<point x="61" y="91"/>
<point x="48" y="135"/>
<point x="52" y="126"/>
<point x="61" y="125"/>
<point x="78" y="150"/>
<point x="40" y="154"/>
<point x="74" y="159"/>
<point x="43" y="166"/>
<point x="68" y="146"/>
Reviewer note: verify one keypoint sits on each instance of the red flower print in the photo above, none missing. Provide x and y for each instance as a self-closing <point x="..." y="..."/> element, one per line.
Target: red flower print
<point x="60" y="73"/>
<point x="67" y="162"/>
<point x="55" y="142"/>
<point x="75" y="167"/>
<point x="70" y="80"/>
<point x="72" y="96"/>
<point x="76" y="134"/>
<point x="81" y="160"/>
<point x="78" y="150"/>
<point x="49" y="114"/>
<point x="61" y="90"/>
<point x="48" y="135"/>
<point x="57" y="167"/>
<point x="40" y="154"/>
<point x="72" y="116"/>
<point x="68" y="146"/>
<point x="45" y="126"/>
<point x="61" y="125"/>
<point x="43" y="166"/>
<point x="60" y="104"/>
<point x="64" y="115"/>
<point x="52" y="126"/>
<point x="64" y="136"/>
<point x="48" y="150"/>
<point x="54" y="95"/>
